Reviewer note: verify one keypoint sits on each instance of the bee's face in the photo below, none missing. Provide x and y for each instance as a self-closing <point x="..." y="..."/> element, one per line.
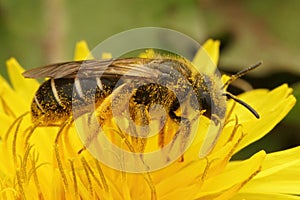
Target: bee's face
<point x="210" y="100"/>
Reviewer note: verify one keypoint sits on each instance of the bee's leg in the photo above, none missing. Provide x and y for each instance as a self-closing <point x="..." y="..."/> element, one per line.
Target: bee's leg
<point x="94" y="124"/>
<point x="140" y="129"/>
<point x="161" y="134"/>
<point x="183" y="133"/>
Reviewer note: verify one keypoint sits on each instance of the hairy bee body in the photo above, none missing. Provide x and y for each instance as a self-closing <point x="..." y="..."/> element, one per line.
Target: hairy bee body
<point x="167" y="82"/>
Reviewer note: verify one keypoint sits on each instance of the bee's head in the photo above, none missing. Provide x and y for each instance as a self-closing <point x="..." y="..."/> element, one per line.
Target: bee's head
<point x="210" y="100"/>
<point x="211" y="94"/>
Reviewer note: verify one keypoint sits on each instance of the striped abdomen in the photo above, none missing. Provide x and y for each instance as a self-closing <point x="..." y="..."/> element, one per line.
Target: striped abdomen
<point x="55" y="98"/>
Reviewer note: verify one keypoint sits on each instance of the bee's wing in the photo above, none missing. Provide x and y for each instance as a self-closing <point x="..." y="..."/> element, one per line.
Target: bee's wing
<point x="133" y="67"/>
<point x="57" y="70"/>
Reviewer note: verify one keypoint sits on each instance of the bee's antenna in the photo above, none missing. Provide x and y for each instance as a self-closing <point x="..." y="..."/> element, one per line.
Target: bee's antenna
<point x="231" y="96"/>
<point x="241" y="73"/>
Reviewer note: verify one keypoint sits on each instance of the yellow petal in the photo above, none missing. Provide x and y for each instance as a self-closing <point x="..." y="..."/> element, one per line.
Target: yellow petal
<point x="82" y="51"/>
<point x="226" y="184"/>
<point x="285" y="181"/>
<point x="271" y="113"/>
<point x="182" y="193"/>
<point x="277" y="161"/>
<point x="206" y="59"/>
<point x="24" y="87"/>
<point x="225" y="78"/>
<point x="184" y="178"/>
<point x="106" y="55"/>
<point x="264" y="196"/>
<point x="8" y="99"/>
<point x="5" y="123"/>
<point x="280" y="174"/>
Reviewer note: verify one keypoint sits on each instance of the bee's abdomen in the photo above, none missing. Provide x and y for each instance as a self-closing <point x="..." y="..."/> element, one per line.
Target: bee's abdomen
<point x="47" y="103"/>
<point x="58" y="99"/>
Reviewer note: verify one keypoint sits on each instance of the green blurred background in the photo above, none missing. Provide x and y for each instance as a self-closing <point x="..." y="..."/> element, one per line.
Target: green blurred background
<point x="45" y="31"/>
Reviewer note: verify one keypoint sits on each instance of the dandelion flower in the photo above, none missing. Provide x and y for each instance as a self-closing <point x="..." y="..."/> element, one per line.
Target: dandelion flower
<point x="43" y="162"/>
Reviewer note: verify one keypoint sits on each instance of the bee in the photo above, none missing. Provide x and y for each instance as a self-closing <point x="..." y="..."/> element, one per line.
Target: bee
<point x="169" y="82"/>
